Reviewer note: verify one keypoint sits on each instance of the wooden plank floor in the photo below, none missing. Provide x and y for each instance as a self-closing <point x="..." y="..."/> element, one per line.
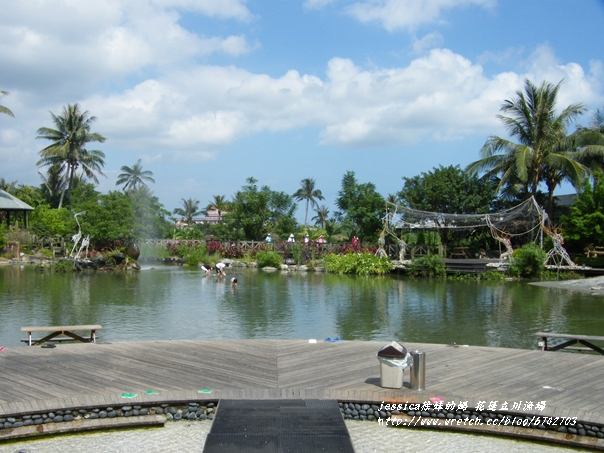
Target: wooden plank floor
<point x="84" y="375"/>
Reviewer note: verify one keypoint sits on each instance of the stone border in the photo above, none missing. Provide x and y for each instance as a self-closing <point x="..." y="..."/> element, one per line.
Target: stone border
<point x="519" y="425"/>
<point x="510" y="424"/>
<point x="105" y="417"/>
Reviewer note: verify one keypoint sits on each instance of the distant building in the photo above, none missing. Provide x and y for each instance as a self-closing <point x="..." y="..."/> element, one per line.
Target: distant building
<point x="211" y="218"/>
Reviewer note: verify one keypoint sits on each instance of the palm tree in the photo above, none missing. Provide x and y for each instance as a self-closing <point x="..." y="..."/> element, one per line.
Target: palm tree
<point x="190" y="208"/>
<point x="321" y="217"/>
<point x="544" y="153"/>
<point x="134" y="177"/>
<point x="308" y="192"/>
<point x="69" y="139"/>
<point x="3" y="109"/>
<point x="591" y="142"/>
<point x="219" y="203"/>
<point x="8" y="187"/>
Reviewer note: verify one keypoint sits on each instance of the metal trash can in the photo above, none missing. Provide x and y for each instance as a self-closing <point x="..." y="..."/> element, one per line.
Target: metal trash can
<point x="393" y="360"/>
<point x="418" y="370"/>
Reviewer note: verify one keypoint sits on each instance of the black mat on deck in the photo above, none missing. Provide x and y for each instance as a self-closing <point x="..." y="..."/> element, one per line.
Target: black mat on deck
<point x="279" y="426"/>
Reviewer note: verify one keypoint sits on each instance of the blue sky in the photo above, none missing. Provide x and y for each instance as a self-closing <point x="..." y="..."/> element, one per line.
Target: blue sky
<point x="210" y="92"/>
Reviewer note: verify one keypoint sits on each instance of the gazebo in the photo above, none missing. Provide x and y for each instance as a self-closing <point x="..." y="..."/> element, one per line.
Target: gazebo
<point x="11" y="204"/>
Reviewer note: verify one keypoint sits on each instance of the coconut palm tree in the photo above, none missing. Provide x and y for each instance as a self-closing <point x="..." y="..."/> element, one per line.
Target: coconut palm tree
<point x="219" y="203"/>
<point x="308" y="192"/>
<point x="544" y="152"/>
<point x="8" y="187"/>
<point x="3" y="109"/>
<point x="190" y="208"/>
<point x="134" y="177"/>
<point x="322" y="215"/>
<point x="69" y="139"/>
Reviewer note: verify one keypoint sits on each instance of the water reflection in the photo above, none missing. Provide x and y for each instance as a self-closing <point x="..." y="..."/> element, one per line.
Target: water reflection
<point x="181" y="303"/>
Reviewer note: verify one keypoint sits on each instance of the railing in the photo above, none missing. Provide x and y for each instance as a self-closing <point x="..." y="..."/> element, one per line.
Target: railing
<point x="60" y="246"/>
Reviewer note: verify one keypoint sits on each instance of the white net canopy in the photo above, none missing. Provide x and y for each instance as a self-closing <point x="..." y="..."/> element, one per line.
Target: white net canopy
<point x="525" y="218"/>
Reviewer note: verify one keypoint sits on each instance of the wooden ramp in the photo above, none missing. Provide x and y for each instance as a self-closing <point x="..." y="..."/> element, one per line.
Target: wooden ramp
<point x="278" y="426"/>
<point x="34" y="379"/>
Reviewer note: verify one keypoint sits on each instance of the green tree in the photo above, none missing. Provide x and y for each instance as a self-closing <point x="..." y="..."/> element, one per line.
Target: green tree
<point x="190" y="209"/>
<point x="448" y="190"/>
<point x="362" y="205"/>
<point x="108" y="217"/>
<point x="48" y="222"/>
<point x="3" y="109"/>
<point x="8" y="187"/>
<point x="585" y="223"/>
<point x="220" y="203"/>
<point x="544" y="152"/>
<point x="465" y="194"/>
<point x="134" y="177"/>
<point x="322" y="215"/>
<point x="68" y="149"/>
<point x="254" y="212"/>
<point x="308" y="192"/>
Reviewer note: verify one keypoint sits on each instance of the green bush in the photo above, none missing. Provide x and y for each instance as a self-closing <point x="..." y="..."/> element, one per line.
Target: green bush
<point x="357" y="263"/>
<point x="268" y="259"/>
<point x="64" y="266"/>
<point x="527" y="261"/>
<point x="2" y="238"/>
<point x="429" y="266"/>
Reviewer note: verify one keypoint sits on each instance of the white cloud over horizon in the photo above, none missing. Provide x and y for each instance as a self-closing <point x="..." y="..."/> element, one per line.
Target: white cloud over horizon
<point x="189" y="93"/>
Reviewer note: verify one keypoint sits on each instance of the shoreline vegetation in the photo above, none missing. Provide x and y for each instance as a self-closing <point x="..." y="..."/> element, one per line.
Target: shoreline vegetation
<point x="364" y="263"/>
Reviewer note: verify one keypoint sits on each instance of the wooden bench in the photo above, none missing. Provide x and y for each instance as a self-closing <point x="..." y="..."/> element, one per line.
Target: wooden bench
<point x="585" y="340"/>
<point x="460" y="252"/>
<point x="594" y="252"/>
<point x="55" y="331"/>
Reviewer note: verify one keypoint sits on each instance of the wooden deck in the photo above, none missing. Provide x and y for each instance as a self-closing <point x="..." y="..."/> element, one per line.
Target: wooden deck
<point x="34" y="379"/>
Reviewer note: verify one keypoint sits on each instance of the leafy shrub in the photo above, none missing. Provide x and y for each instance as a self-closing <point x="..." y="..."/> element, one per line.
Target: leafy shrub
<point x="429" y="266"/>
<point x="268" y="259"/>
<point x="527" y="261"/>
<point x="64" y="266"/>
<point x="357" y="263"/>
<point x="492" y="275"/>
<point x="2" y="238"/>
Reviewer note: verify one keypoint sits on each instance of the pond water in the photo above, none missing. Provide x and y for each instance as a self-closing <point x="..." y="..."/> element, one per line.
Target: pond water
<point x="165" y="302"/>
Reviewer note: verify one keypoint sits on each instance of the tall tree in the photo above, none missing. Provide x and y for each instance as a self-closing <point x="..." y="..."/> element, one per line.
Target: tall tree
<point x="255" y="212"/>
<point x="219" y="203"/>
<point x="134" y="177"/>
<point x="308" y="192"/>
<point x="544" y="152"/>
<point x="68" y="149"/>
<point x="322" y="215"/>
<point x="362" y="205"/>
<point x="8" y="187"/>
<point x="190" y="208"/>
<point x="3" y="109"/>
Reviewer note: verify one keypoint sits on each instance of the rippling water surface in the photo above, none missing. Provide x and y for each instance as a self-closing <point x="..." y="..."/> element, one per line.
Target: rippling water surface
<point x="180" y="303"/>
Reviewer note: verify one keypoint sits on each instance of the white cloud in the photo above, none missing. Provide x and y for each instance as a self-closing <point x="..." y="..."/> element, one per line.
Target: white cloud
<point x="177" y="107"/>
<point x="317" y="4"/>
<point x="64" y="44"/>
<point x="441" y="96"/>
<point x="407" y="14"/>
<point x="230" y="9"/>
<point x="426" y="42"/>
